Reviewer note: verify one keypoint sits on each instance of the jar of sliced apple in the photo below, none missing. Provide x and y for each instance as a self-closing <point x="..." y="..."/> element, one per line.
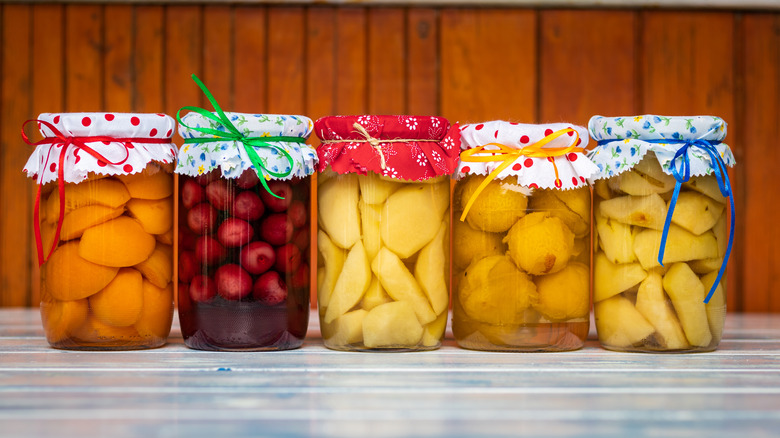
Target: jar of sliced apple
<point x="521" y="238"/>
<point x="662" y="195"/>
<point x="384" y="214"/>
<point x="106" y="234"/>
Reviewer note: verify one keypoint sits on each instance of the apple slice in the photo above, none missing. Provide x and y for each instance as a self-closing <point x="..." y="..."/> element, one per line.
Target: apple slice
<point x="353" y="281"/>
<point x="610" y="279"/>
<point x="333" y="257"/>
<point x="391" y="325"/>
<point x="687" y="294"/>
<point x="652" y="303"/>
<point x="411" y="217"/>
<point x="375" y="295"/>
<point x="338" y="209"/>
<point x="681" y="246"/>
<point x="616" y="238"/>
<point x="431" y="270"/>
<point x="619" y="324"/>
<point x="345" y="330"/>
<point x="375" y="190"/>
<point x="369" y="216"/>
<point x="696" y="213"/>
<point x="400" y="284"/>
<point x="434" y="331"/>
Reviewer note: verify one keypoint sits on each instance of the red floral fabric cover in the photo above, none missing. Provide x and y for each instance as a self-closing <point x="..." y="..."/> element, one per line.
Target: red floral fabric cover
<point x="409" y="160"/>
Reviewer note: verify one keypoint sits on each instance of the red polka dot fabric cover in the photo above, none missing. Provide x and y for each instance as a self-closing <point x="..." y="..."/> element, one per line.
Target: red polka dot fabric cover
<point x="408" y="160"/>
<point x="574" y="168"/>
<point x="42" y="164"/>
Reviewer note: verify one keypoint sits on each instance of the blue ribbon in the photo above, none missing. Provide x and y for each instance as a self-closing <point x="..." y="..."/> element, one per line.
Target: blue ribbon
<point x="682" y="174"/>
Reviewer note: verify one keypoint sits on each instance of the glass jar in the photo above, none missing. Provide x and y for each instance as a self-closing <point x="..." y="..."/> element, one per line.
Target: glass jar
<point x="640" y="304"/>
<point x="244" y="229"/>
<point x="106" y="251"/>
<point x="383" y="240"/>
<point x="521" y="238"/>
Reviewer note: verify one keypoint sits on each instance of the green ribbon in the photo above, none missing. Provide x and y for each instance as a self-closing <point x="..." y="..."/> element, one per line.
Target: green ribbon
<point x="233" y="134"/>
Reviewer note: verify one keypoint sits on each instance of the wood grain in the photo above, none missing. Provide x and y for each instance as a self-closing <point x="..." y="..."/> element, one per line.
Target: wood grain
<point x="183" y="57"/>
<point x="587" y="65"/>
<point x="386" y="59"/>
<point x="218" y="54"/>
<point x="488" y="65"/>
<point x="286" y="46"/>
<point x="118" y="58"/>
<point x="250" y="62"/>
<point x="320" y="62"/>
<point x="422" y="66"/>
<point x="351" y="61"/>
<point x="84" y="85"/>
<point x="148" y="66"/>
<point x="760" y="258"/>
<point x="15" y="187"/>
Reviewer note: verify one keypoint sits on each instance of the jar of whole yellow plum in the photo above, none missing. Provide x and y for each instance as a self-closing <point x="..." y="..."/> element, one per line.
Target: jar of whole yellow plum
<point x="384" y="211"/>
<point x="244" y="229"/>
<point x="104" y="229"/>
<point x="521" y="238"/>
<point x="661" y="242"/>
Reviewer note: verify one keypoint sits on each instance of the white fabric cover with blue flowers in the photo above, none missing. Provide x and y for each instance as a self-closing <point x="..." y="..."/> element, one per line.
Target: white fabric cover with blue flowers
<point x="199" y="158"/>
<point x="622" y="142"/>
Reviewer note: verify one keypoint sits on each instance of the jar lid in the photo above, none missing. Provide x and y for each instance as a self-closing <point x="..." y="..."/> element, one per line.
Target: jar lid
<point x="624" y="141"/>
<point x="397" y="146"/>
<point x="122" y="143"/>
<point x="231" y="155"/>
<point x="547" y="156"/>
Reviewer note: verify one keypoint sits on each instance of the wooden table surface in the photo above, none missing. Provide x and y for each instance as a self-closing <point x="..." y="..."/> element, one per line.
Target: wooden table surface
<point x="175" y="391"/>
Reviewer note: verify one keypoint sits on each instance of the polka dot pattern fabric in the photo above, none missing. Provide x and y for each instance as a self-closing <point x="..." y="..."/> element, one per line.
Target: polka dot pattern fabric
<point x="573" y="169"/>
<point x="42" y="164"/>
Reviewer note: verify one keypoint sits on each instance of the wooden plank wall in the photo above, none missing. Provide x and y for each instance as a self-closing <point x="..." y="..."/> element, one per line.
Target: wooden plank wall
<point x="465" y="64"/>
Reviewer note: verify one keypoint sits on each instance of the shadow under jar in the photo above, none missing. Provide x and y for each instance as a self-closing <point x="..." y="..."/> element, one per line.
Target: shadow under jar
<point x="243" y="248"/>
<point x="521" y="238"/>
<point x="640" y="304"/>
<point x="106" y="283"/>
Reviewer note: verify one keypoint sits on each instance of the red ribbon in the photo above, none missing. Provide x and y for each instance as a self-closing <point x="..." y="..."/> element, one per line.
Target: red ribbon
<point x="66" y="142"/>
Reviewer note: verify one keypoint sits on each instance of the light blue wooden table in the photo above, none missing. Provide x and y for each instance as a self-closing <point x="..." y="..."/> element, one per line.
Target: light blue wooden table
<point x="174" y="391"/>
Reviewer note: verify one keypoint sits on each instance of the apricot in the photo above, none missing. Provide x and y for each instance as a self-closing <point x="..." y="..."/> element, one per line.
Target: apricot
<point x="108" y="192"/>
<point x="148" y="184"/>
<point x="94" y="331"/>
<point x="60" y="318"/>
<point x="166" y="237"/>
<point x="119" y="304"/>
<point x="69" y="277"/>
<point x="119" y="242"/>
<point x="80" y="219"/>
<point x="157" y="313"/>
<point x="158" y="268"/>
<point x="154" y="215"/>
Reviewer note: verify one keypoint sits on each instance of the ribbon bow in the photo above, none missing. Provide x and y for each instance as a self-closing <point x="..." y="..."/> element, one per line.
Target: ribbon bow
<point x="232" y="133"/>
<point x="66" y="142"/>
<point x="508" y="155"/>
<point x="374" y="142"/>
<point x="682" y="175"/>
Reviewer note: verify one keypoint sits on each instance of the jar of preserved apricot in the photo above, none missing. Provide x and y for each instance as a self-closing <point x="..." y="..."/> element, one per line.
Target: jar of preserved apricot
<point x="384" y="211"/>
<point x="661" y="224"/>
<point x="104" y="228"/>
<point x="521" y="237"/>
<point x="244" y="229"/>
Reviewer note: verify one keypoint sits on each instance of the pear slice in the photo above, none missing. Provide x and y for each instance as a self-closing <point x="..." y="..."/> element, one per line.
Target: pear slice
<point x="652" y="303"/>
<point x="687" y="294"/>
<point x="334" y="262"/>
<point x="411" y="217"/>
<point x="602" y="190"/>
<point x="400" y="284"/>
<point x="610" y="279"/>
<point x="705" y="266"/>
<point x="375" y="295"/>
<point x="353" y="281"/>
<point x="346" y="329"/>
<point x="619" y="324"/>
<point x="681" y="246"/>
<point x="369" y="216"/>
<point x="707" y="185"/>
<point x="650" y="168"/>
<point x="392" y="325"/>
<point x="338" y="209"/>
<point x="634" y="183"/>
<point x="716" y="307"/>
<point x="434" y="331"/>
<point x="375" y="190"/>
<point x="617" y="239"/>
<point x="696" y="213"/>
<point x="645" y="211"/>
<point x="431" y="270"/>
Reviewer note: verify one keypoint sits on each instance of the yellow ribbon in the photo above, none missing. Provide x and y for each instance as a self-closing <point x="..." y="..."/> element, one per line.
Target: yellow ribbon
<point x="508" y="155"/>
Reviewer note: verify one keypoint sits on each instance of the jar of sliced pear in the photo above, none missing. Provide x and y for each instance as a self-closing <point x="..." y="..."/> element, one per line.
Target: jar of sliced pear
<point x="640" y="305"/>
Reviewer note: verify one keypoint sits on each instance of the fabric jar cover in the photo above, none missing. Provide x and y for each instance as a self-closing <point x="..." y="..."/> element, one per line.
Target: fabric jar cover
<point x="413" y="147"/>
<point x="624" y="141"/>
<point x="567" y="171"/>
<point x="131" y="157"/>
<point x="231" y="156"/>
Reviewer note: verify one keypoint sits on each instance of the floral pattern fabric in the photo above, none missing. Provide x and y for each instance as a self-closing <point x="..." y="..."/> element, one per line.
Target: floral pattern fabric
<point x="132" y="157"/>
<point x="623" y="141"/>
<point x="408" y="160"/>
<point x="231" y="156"/>
<point x="573" y="169"/>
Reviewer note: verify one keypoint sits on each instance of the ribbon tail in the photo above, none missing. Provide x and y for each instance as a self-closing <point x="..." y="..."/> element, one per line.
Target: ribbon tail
<point x="725" y="256"/>
<point x="668" y="221"/>
<point x="37" y="226"/>
<point x="259" y="168"/>
<point x="61" y="190"/>
<point x="484" y="184"/>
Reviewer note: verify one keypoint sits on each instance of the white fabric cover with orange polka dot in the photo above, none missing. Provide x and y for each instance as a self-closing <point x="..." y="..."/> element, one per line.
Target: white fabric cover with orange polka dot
<point x="132" y="157"/>
<point x="573" y="168"/>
